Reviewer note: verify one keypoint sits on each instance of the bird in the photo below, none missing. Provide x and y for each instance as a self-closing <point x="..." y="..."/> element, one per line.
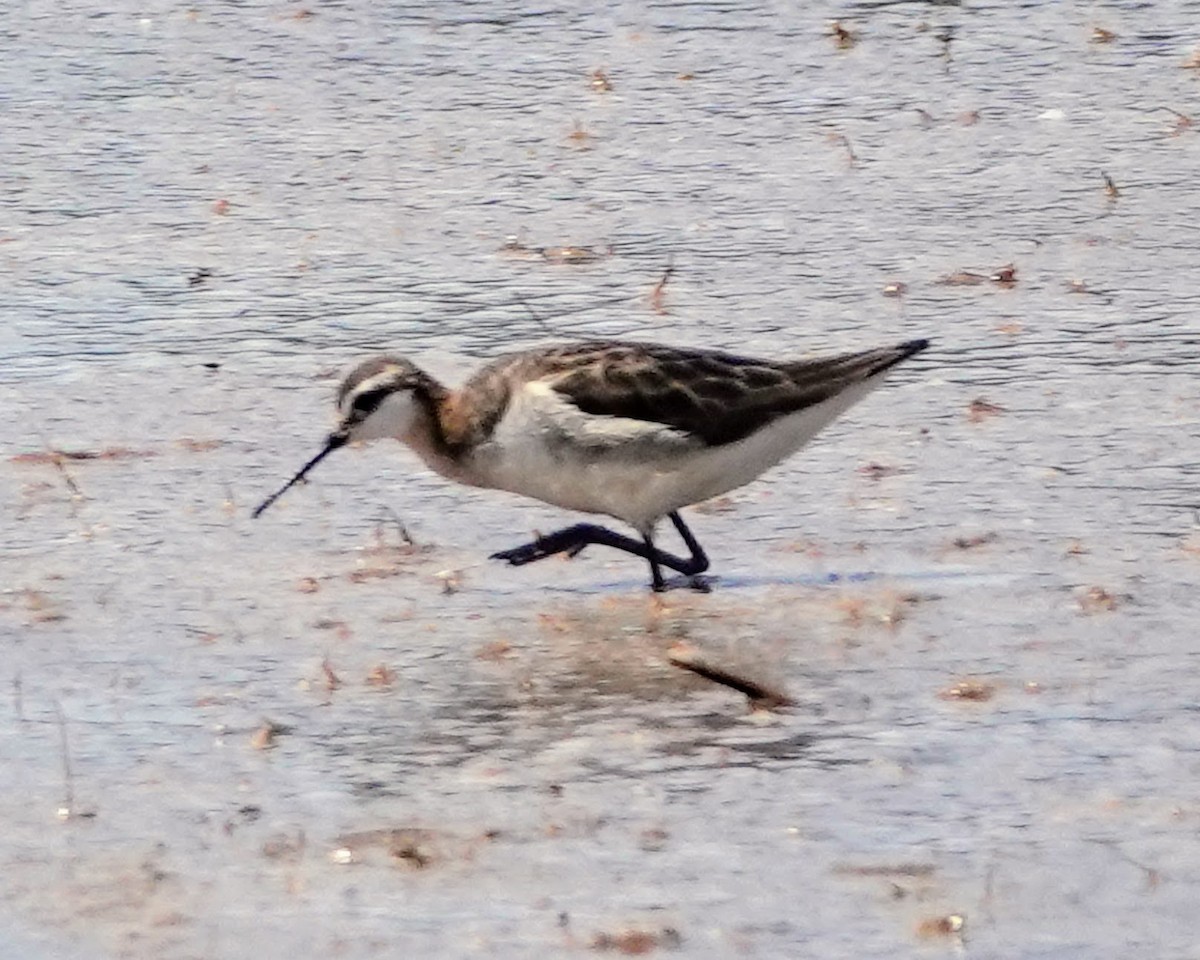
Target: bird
<point x="630" y="430"/>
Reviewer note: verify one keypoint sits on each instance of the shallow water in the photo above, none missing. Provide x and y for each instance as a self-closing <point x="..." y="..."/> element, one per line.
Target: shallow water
<point x="209" y="213"/>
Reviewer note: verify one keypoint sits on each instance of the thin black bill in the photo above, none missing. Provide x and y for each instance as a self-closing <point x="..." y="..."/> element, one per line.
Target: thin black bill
<point x="335" y="440"/>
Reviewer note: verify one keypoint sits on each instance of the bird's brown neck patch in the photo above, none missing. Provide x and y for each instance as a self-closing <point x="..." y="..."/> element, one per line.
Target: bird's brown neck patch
<point x="466" y="417"/>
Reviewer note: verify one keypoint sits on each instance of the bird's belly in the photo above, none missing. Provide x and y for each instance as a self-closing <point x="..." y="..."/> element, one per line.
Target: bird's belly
<point x="638" y="491"/>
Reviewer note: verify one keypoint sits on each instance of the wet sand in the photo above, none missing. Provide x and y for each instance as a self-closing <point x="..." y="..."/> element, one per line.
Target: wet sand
<point x="340" y="730"/>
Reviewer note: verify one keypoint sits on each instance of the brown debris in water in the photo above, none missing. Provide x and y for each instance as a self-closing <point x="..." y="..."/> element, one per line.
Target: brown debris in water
<point x="286" y="847"/>
<point x="921" y="870"/>
<point x="1005" y="276"/>
<point x="554" y="622"/>
<point x="411" y="846"/>
<point x="658" y="294"/>
<point x="1101" y="35"/>
<point x="1097" y="600"/>
<point x="265" y="736"/>
<point x="199" y="446"/>
<point x="961" y="278"/>
<point x="600" y="81"/>
<point x="950" y="925"/>
<point x="496" y="650"/>
<point x="761" y="697"/>
<point x="887" y="608"/>
<point x="414" y="847"/>
<point x="332" y="680"/>
<point x="844" y="37"/>
<point x="634" y="943"/>
<point x="1110" y="188"/>
<point x="1193" y="62"/>
<point x="374" y="572"/>
<point x="976" y="691"/>
<point x="653" y="839"/>
<point x="842" y="140"/>
<point x="57" y="457"/>
<point x="573" y="254"/>
<point x="970" y="543"/>
<point x="895" y="289"/>
<point x="579" y="136"/>
<point x="981" y="409"/>
<point x="1182" y="122"/>
<point x="308" y="585"/>
<point x="40" y="607"/>
<point x="568" y="254"/>
<point x="381" y="675"/>
<point x="382" y="560"/>
<point x="877" y="471"/>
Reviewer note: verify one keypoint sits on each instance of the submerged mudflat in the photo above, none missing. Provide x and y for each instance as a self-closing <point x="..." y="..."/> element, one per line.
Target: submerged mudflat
<point x="340" y="730"/>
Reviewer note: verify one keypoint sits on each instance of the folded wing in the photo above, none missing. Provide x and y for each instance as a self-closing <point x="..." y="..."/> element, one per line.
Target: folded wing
<point x="715" y="397"/>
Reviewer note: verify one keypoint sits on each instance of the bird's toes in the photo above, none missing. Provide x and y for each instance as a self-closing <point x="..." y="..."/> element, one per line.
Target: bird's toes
<point x="526" y="553"/>
<point x="516" y="556"/>
<point x="697" y="582"/>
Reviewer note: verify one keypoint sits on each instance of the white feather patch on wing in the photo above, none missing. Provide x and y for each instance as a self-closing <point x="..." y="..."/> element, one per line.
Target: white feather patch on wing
<point x="547" y="448"/>
<point x="540" y="407"/>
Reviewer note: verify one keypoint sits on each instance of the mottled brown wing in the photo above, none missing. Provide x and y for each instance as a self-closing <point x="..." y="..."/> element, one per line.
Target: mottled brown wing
<point x="717" y="397"/>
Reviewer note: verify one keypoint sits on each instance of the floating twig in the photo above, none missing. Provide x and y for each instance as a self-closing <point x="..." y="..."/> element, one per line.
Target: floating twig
<point x="67" y="810"/>
<point x="658" y="294"/>
<point x="844" y="37"/>
<point x="977" y="691"/>
<point x="980" y="409"/>
<point x="760" y="697"/>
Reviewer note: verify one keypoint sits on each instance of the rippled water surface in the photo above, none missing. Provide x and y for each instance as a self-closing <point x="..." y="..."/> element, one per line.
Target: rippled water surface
<point x="339" y="731"/>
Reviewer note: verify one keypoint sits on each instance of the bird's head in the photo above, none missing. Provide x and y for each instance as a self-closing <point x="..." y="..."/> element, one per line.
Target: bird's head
<point x="381" y="397"/>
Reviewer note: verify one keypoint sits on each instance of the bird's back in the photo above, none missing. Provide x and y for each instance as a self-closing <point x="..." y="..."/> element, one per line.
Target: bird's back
<point x="717" y="398"/>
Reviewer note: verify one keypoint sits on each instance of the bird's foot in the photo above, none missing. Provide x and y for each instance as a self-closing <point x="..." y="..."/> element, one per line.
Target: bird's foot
<point x="569" y="542"/>
<point x="698" y="582"/>
<point x="519" y="556"/>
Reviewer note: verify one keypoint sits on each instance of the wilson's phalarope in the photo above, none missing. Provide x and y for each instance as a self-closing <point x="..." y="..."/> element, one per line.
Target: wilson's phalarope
<point x="632" y="430"/>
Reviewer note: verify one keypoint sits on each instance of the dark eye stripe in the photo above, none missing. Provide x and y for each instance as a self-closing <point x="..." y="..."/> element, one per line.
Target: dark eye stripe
<point x="365" y="403"/>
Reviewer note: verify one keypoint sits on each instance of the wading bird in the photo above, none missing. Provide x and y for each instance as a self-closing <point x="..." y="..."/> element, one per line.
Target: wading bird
<point x="634" y="431"/>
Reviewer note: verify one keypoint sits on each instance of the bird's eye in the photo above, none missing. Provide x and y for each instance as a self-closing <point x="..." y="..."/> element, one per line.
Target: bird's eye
<point x="365" y="403"/>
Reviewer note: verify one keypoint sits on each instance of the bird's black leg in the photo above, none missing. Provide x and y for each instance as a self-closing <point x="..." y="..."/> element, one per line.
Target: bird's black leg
<point x="570" y="540"/>
<point x="657" y="583"/>
<point x="699" y="560"/>
<point x="691" y="568"/>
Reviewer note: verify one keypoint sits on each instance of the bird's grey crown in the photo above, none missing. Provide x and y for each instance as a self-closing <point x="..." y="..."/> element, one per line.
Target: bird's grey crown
<point x="389" y="374"/>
